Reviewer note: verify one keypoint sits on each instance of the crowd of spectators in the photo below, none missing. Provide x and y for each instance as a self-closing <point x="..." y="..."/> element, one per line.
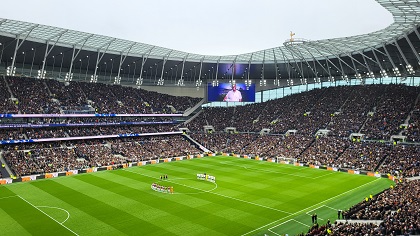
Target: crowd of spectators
<point x="342" y="110"/>
<point x="32" y="96"/>
<point x="21" y="162"/>
<point x="49" y="96"/>
<point x="402" y="160"/>
<point x="353" y="113"/>
<point x="364" y="155"/>
<point x="62" y="132"/>
<point x="7" y="105"/>
<point x="391" y="110"/>
<point x="218" y="117"/>
<point x="11" y="134"/>
<point x="252" y="144"/>
<point x="224" y="142"/>
<point x="325" y="151"/>
<point x="413" y="127"/>
<point x="73" y="155"/>
<point x="97" y="155"/>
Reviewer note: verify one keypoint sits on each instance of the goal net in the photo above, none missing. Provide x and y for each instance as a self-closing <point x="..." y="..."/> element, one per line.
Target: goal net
<point x="285" y="160"/>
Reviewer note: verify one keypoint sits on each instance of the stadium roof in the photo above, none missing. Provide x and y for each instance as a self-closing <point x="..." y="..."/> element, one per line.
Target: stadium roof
<point x="406" y="14"/>
<point x="57" y="53"/>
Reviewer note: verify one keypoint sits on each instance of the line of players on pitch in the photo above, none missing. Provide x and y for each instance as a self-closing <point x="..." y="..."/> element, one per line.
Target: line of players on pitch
<point x="206" y="177"/>
<point x="161" y="188"/>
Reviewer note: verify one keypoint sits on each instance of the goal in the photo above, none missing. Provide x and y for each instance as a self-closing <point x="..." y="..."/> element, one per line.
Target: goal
<point x="285" y="160"/>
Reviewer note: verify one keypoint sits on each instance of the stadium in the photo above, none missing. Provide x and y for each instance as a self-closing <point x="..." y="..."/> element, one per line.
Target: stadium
<point x="102" y="135"/>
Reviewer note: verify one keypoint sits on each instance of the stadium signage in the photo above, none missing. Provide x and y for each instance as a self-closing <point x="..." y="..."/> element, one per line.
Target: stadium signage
<point x="84" y="137"/>
<point x="5" y="126"/>
<point x="84" y="115"/>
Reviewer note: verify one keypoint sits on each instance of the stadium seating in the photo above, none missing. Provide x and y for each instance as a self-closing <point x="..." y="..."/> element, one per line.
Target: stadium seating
<point x="74" y="155"/>
<point x="50" y="96"/>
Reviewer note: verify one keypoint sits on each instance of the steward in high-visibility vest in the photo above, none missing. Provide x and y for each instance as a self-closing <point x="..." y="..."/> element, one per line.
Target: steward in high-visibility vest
<point x="3" y="165"/>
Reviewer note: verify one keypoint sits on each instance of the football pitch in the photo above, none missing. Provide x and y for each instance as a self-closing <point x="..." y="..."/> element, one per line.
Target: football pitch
<point x="249" y="197"/>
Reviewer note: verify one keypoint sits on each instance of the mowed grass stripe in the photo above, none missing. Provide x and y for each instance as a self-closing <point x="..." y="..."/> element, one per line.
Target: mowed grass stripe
<point x="317" y="186"/>
<point x="116" y="218"/>
<point x="215" y="192"/>
<point x="225" y="196"/>
<point x="175" y="208"/>
<point x="248" y="184"/>
<point x="31" y="218"/>
<point x="231" y="174"/>
<point x="145" y="207"/>
<point x="9" y="226"/>
<point x="78" y="220"/>
<point x="178" y="225"/>
<point x="249" y="211"/>
<point x="5" y="192"/>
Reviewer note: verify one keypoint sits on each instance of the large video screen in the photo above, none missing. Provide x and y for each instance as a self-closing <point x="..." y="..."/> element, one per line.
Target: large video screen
<point x="227" y="92"/>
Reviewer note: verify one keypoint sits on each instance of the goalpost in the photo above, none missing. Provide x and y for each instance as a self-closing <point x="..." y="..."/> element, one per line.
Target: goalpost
<point x="285" y="160"/>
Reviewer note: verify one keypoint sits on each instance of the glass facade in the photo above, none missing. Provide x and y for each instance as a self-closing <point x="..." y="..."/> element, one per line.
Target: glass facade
<point x="285" y="91"/>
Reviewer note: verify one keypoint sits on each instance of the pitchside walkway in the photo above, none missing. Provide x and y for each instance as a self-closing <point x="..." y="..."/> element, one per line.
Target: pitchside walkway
<point x="375" y="222"/>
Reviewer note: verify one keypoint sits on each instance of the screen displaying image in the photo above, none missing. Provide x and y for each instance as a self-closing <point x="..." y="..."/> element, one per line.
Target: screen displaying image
<point x="227" y="92"/>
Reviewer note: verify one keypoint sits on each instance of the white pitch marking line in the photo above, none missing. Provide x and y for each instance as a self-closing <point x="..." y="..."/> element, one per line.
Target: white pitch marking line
<point x="331" y="207"/>
<point x="308" y="213"/>
<point x="68" y="213"/>
<point x="47" y="215"/>
<point x="270" y="229"/>
<point x="302" y="223"/>
<point x="280" y="224"/>
<point x="323" y="175"/>
<point x="252" y="203"/>
<point x="271" y="171"/>
<point x="8" y="197"/>
<point x="303" y="210"/>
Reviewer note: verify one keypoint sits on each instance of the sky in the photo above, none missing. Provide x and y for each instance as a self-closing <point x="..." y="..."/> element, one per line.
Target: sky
<point x="208" y="27"/>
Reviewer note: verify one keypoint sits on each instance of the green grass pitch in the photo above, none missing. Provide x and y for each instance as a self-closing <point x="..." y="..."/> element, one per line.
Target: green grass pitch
<point x="249" y="198"/>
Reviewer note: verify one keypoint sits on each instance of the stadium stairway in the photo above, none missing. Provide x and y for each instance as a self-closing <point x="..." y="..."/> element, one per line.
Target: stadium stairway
<point x="347" y="99"/>
<point x="193" y="117"/>
<point x="5" y="172"/>
<point x="8" y="87"/>
<point x="197" y="144"/>
<point x="380" y="163"/>
<point x="407" y="121"/>
<point x="341" y="153"/>
<point x="367" y="118"/>
<point x="47" y="88"/>
<point x="189" y="111"/>
<point x="300" y="154"/>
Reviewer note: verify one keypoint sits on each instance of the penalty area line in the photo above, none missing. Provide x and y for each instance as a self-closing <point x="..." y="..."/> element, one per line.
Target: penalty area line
<point x="47" y="215"/>
<point x="271" y="229"/>
<point x="8" y="197"/>
<point x="68" y="213"/>
<point x="308" y="208"/>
